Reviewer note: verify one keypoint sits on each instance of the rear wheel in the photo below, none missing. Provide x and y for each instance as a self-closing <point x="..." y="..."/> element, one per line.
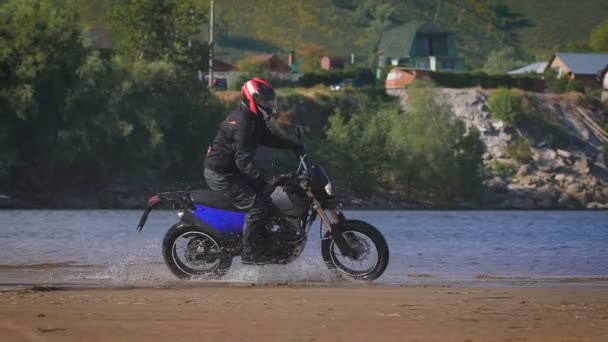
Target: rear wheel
<point x="368" y="243"/>
<point x="192" y="252"/>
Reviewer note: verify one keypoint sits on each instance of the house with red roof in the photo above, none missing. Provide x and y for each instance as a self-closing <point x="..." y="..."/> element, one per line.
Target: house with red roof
<point x="274" y="65"/>
<point x="225" y="70"/>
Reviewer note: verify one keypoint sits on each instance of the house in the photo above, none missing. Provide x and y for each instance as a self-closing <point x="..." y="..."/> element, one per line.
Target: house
<point x="583" y="67"/>
<point x="534" y="68"/>
<point x="400" y="77"/>
<point x="420" y="45"/>
<point x="603" y="78"/>
<point x="225" y="70"/>
<point x="332" y="63"/>
<point x="273" y="64"/>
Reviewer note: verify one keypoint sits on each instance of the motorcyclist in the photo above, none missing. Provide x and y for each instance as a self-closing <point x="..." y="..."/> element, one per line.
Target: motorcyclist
<point x="230" y="166"/>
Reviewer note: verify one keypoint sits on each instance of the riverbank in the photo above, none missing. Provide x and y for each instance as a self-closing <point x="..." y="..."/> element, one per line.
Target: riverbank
<point x="304" y="313"/>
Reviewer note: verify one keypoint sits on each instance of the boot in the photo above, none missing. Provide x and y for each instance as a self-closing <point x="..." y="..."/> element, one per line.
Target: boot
<point x="254" y="234"/>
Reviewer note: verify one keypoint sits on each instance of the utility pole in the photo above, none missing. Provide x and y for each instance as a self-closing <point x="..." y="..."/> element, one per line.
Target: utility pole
<point x="211" y="19"/>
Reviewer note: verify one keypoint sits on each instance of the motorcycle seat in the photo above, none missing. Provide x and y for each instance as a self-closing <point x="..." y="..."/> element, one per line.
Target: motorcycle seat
<point x="213" y="199"/>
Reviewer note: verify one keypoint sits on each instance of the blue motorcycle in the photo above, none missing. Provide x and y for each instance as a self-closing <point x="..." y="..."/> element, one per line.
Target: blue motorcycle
<point x="209" y="232"/>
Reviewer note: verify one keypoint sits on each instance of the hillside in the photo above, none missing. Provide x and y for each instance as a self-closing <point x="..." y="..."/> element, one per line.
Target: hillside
<point x="557" y="21"/>
<point x="345" y="26"/>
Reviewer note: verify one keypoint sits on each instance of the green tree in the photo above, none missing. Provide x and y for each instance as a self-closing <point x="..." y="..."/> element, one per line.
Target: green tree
<point x="40" y="49"/>
<point x="507" y="105"/>
<point x="152" y="30"/>
<point x="501" y="61"/>
<point x="599" y="37"/>
<point x="311" y="54"/>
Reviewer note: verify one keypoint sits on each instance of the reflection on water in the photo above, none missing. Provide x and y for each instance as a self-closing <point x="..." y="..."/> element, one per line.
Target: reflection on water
<point x="102" y="247"/>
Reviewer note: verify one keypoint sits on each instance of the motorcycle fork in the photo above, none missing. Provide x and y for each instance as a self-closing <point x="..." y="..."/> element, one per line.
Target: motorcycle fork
<point x="335" y="228"/>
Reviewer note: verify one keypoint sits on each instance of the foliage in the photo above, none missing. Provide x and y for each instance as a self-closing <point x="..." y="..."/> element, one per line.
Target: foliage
<point x="330" y="77"/>
<point x="436" y="151"/>
<point x="152" y="30"/>
<point x="311" y="54"/>
<point x="40" y="49"/>
<point x="483" y="80"/>
<point x="355" y="147"/>
<point x="72" y="117"/>
<point x="605" y="150"/>
<point x="507" y="105"/>
<point x="249" y="70"/>
<point x="502" y="169"/>
<point x="520" y="150"/>
<point x="562" y="84"/>
<point x="502" y="61"/>
<point x="598" y="40"/>
<point x="426" y="151"/>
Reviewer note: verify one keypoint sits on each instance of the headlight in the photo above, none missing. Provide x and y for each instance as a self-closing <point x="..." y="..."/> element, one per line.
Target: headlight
<point x="329" y="190"/>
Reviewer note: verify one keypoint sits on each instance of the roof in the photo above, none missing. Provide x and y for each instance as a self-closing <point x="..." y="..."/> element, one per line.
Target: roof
<point x="101" y="38"/>
<point x="271" y="62"/>
<point x="583" y="63"/>
<point x="534" y="68"/>
<point x="397" y="42"/>
<point x="219" y="65"/>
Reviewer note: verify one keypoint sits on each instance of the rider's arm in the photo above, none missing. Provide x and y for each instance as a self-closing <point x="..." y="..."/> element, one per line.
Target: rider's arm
<point x="244" y="150"/>
<point x="272" y="139"/>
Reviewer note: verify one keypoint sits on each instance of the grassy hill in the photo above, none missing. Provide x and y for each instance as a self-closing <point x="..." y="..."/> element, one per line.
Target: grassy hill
<point x="343" y="26"/>
<point x="557" y="21"/>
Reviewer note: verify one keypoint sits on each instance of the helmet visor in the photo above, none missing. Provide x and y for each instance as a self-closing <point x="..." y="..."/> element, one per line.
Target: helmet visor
<point x="269" y="105"/>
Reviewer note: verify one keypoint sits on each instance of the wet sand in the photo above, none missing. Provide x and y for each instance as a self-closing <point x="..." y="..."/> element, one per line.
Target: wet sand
<point x="305" y="313"/>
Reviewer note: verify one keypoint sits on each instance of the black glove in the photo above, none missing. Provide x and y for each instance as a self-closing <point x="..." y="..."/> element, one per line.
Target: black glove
<point x="299" y="150"/>
<point x="282" y="179"/>
<point x="274" y="182"/>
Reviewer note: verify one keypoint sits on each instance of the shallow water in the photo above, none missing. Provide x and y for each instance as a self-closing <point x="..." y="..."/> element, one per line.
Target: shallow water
<point x="102" y="247"/>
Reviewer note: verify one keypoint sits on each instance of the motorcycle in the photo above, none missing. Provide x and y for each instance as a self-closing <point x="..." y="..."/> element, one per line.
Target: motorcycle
<point x="209" y="232"/>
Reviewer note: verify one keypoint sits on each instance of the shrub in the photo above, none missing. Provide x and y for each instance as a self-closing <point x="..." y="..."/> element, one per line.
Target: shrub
<point x="520" y="150"/>
<point x="502" y="169"/>
<point x="562" y="84"/>
<point x="312" y="79"/>
<point x="480" y="79"/>
<point x="507" y="105"/>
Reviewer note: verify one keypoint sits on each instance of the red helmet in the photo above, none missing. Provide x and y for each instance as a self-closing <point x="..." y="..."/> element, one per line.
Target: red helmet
<point x="258" y="97"/>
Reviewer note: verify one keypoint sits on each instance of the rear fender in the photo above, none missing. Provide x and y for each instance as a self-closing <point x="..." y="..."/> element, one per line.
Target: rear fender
<point x="152" y="202"/>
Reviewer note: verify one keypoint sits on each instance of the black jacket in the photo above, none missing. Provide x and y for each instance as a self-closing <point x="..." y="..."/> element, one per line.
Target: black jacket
<point x="234" y="146"/>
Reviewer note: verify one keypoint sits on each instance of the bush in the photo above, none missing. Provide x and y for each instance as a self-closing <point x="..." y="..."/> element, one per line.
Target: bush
<point x="507" y="105"/>
<point x="520" y="150"/>
<point x="502" y="169"/>
<point x="312" y="79"/>
<point x="483" y="80"/>
<point x="562" y="84"/>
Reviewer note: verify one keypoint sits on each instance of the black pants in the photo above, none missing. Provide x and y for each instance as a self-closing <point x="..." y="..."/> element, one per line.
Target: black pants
<point x="246" y="195"/>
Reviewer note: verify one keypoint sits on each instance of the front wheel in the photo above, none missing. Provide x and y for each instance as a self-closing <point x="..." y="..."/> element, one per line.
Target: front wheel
<point x="370" y="247"/>
<point x="191" y="252"/>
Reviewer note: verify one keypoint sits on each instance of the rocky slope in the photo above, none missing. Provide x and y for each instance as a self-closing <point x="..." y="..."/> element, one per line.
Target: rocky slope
<point x="571" y="177"/>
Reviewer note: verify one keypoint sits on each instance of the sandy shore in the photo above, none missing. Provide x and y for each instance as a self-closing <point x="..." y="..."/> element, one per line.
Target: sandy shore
<point x="298" y="313"/>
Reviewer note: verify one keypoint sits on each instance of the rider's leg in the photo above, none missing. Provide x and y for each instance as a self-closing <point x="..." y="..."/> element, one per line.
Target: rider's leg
<point x="255" y="231"/>
<point x="244" y="196"/>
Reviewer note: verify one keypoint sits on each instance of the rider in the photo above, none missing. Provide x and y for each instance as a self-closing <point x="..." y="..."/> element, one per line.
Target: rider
<point x="230" y="166"/>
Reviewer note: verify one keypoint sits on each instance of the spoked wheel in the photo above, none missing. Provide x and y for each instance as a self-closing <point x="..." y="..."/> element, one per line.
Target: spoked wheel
<point x="370" y="247"/>
<point x="193" y="252"/>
